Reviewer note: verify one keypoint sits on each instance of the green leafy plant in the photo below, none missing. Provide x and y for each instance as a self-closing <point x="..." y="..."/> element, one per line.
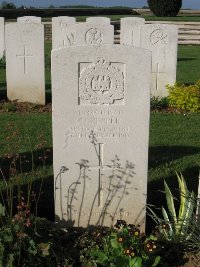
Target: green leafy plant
<point x="19" y="242"/>
<point x="185" y="97"/>
<point x="125" y="247"/>
<point x="159" y="103"/>
<point x="177" y="226"/>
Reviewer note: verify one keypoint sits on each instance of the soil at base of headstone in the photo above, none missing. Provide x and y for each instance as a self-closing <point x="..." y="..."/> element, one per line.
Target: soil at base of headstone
<point x="19" y="107"/>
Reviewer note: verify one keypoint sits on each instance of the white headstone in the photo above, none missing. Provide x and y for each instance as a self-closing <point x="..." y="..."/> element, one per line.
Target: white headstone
<point x="29" y="19"/>
<point x="2" y="37"/>
<point x="25" y="62"/>
<point x="102" y="92"/>
<point x="93" y="34"/>
<point x="162" y="41"/>
<point x="98" y="20"/>
<point x="130" y="31"/>
<point x="62" y="36"/>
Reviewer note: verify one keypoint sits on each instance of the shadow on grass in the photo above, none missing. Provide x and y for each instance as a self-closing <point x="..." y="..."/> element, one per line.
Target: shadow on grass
<point x="24" y="164"/>
<point x="48" y="93"/>
<point x="3" y="93"/>
<point x="162" y="154"/>
<point x="157" y="155"/>
<point x="45" y="206"/>
<point x="187" y="59"/>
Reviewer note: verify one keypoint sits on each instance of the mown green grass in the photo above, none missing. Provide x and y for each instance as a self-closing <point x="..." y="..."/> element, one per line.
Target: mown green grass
<point x="188" y="64"/>
<point x="174" y="138"/>
<point x="178" y="18"/>
<point x="147" y="17"/>
<point x="30" y="127"/>
<point x="174" y="145"/>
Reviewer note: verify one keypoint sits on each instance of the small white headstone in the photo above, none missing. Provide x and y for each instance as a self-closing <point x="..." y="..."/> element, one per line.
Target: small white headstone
<point x="62" y="36"/>
<point x="98" y="20"/>
<point x="29" y="19"/>
<point x="25" y="62"/>
<point x="2" y="37"/>
<point x="130" y="31"/>
<point x="101" y="98"/>
<point x="162" y="41"/>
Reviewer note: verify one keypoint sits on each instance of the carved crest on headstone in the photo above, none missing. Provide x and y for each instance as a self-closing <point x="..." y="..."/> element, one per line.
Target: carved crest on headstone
<point x="159" y="36"/>
<point x="101" y="83"/>
<point x="93" y="36"/>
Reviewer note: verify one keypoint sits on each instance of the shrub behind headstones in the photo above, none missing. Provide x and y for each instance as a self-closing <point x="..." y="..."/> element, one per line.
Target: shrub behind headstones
<point x="165" y="8"/>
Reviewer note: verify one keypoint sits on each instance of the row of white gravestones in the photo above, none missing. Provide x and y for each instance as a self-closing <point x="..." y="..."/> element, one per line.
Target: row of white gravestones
<point x="162" y="41"/>
<point x="101" y="102"/>
<point x="27" y="84"/>
<point x="25" y="70"/>
<point x="66" y="32"/>
<point x="2" y="38"/>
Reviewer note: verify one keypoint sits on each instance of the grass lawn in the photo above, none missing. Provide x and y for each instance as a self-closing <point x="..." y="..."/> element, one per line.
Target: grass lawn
<point x="188" y="64"/>
<point x="174" y="138"/>
<point x="177" y="18"/>
<point x="174" y="146"/>
<point x="148" y="18"/>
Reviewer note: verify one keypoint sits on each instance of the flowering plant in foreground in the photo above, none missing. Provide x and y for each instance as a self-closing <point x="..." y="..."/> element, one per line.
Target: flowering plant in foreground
<point x="125" y="246"/>
<point x="20" y="244"/>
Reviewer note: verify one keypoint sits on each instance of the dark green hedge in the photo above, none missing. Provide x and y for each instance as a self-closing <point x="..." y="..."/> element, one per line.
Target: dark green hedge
<point x="165" y="8"/>
<point x="13" y="14"/>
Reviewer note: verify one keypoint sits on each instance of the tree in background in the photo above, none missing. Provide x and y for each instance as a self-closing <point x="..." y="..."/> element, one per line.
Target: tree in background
<point x="165" y="8"/>
<point x="6" y="5"/>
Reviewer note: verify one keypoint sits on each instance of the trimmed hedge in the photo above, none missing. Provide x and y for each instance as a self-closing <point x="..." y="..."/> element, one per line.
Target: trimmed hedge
<point x="165" y="8"/>
<point x="13" y="14"/>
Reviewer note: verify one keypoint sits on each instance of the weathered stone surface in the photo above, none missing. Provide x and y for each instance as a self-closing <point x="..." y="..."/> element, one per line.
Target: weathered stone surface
<point x="25" y="62"/>
<point x="130" y="31"/>
<point x="29" y="19"/>
<point x="62" y="35"/>
<point x="98" y="20"/>
<point x="162" y="41"/>
<point x="92" y="34"/>
<point x="2" y="38"/>
<point x="101" y="99"/>
<point x="66" y="32"/>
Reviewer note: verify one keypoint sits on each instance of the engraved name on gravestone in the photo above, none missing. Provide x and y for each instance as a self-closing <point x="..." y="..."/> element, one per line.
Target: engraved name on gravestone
<point x="2" y="37"/>
<point x="29" y="19"/>
<point x="162" y="41"/>
<point x="100" y="98"/>
<point x="62" y="35"/>
<point x="25" y="62"/>
<point x="130" y="31"/>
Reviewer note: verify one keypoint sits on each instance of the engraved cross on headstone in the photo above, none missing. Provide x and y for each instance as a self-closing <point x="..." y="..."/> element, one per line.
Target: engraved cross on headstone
<point x="64" y="43"/>
<point x="25" y="56"/>
<point x="156" y="74"/>
<point x="158" y="65"/>
<point x="100" y="167"/>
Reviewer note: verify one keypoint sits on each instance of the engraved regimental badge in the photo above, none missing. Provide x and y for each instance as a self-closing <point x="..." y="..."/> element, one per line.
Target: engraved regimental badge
<point x="159" y="36"/>
<point x="101" y="83"/>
